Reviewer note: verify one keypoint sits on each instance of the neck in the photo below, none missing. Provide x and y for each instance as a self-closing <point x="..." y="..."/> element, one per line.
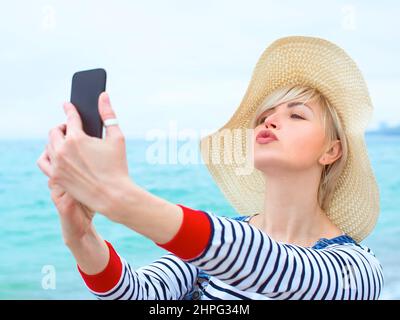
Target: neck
<point x="291" y="210"/>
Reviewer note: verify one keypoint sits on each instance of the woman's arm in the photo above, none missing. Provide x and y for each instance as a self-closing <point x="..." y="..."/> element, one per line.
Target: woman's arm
<point x="90" y="252"/>
<point x="157" y="219"/>
<point x="168" y="278"/>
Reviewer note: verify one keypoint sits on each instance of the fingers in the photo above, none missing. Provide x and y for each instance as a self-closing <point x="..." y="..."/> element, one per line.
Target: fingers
<point x="74" y="121"/>
<point x="63" y="128"/>
<point x="56" y="139"/>
<point x="107" y="112"/>
<point x="51" y="153"/>
<point x="44" y="164"/>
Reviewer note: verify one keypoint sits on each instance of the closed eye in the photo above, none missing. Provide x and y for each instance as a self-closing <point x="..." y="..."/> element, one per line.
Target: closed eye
<point x="297" y="116"/>
<point x="294" y="115"/>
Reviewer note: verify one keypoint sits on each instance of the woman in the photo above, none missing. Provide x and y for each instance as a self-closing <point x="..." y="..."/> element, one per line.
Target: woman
<point x="312" y="196"/>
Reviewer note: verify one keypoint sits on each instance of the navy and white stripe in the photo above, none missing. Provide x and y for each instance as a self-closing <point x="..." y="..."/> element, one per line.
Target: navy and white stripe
<point x="245" y="263"/>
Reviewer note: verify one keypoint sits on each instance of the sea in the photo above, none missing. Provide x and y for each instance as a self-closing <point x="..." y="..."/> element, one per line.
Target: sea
<point x="35" y="263"/>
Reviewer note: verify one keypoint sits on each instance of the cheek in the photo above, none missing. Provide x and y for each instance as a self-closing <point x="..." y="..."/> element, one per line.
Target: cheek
<point x="305" y="147"/>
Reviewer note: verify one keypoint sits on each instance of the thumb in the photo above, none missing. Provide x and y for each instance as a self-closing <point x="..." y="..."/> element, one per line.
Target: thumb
<point x="106" y="112"/>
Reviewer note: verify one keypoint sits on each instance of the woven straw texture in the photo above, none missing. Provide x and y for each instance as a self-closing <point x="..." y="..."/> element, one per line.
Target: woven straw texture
<point x="320" y="64"/>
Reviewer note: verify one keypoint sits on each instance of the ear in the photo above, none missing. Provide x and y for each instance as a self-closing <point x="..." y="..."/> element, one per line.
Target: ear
<point x="332" y="154"/>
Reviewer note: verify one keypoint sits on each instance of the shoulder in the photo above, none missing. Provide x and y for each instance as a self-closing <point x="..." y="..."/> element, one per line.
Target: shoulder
<point x="357" y="254"/>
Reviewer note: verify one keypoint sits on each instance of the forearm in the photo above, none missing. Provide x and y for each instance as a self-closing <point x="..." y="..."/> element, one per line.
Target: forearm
<point x="91" y="252"/>
<point x="151" y="216"/>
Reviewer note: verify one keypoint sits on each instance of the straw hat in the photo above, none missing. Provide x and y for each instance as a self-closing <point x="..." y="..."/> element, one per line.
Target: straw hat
<point x="320" y="64"/>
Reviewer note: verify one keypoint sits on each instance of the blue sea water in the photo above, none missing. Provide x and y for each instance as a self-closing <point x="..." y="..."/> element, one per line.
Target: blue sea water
<point x="30" y="234"/>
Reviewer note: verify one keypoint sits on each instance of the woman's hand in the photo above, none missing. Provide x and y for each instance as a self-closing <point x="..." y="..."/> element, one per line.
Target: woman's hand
<point x="76" y="218"/>
<point x="93" y="171"/>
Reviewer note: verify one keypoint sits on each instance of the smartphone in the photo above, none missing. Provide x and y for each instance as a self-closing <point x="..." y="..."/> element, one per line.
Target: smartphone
<point x="85" y="90"/>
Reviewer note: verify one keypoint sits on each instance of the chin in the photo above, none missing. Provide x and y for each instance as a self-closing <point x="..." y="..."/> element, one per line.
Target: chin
<point x="264" y="163"/>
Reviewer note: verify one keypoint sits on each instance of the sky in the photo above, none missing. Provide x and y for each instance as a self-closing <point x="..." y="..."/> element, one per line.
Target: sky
<point x="180" y="63"/>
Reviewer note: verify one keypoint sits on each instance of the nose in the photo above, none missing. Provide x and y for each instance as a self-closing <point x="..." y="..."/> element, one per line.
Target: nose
<point x="270" y="121"/>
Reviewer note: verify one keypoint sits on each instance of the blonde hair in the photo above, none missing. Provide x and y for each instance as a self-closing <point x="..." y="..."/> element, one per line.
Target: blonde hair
<point x="331" y="124"/>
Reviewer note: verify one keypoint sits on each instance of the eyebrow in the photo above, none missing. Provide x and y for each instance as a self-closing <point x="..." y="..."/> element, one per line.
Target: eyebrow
<point x="297" y="103"/>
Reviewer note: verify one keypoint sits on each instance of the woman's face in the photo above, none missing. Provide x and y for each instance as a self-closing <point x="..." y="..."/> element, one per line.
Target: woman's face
<point x="300" y="133"/>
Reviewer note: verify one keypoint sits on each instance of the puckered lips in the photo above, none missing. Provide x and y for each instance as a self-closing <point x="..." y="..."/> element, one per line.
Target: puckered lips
<point x="266" y="136"/>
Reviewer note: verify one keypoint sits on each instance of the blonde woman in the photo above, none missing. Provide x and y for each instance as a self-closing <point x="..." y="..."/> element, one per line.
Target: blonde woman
<point x="303" y="210"/>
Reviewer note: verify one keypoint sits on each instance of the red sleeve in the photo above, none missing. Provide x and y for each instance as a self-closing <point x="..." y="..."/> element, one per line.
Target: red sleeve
<point x="193" y="235"/>
<point x="109" y="277"/>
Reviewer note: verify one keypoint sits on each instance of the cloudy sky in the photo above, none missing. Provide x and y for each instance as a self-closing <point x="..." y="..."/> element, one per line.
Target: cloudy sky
<point x="181" y="62"/>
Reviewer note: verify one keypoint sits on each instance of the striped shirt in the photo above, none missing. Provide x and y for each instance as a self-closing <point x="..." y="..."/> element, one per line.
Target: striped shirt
<point x="234" y="260"/>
